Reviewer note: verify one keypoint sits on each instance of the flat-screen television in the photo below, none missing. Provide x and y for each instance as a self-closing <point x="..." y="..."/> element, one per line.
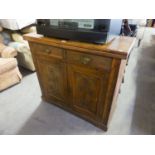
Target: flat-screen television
<point x="87" y="30"/>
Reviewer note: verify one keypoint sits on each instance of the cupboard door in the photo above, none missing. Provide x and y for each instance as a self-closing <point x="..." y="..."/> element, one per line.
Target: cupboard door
<point x="52" y="74"/>
<point x="88" y="89"/>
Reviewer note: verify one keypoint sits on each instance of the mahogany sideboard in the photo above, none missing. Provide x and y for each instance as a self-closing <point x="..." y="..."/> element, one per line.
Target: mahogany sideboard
<point x="81" y="78"/>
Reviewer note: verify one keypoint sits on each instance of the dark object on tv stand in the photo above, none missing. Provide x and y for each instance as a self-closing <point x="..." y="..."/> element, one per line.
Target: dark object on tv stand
<point x="87" y="30"/>
<point x="128" y="29"/>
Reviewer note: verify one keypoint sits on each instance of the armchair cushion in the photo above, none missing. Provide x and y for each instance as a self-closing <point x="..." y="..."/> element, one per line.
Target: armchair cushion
<point x="24" y="55"/>
<point x="17" y="37"/>
<point x="31" y="29"/>
<point x="20" y="47"/>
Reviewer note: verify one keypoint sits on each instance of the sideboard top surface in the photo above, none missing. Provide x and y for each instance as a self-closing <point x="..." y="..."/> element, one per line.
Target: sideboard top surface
<point x="119" y="47"/>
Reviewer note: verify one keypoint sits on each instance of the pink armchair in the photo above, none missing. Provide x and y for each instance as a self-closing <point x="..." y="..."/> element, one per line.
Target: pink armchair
<point x="9" y="72"/>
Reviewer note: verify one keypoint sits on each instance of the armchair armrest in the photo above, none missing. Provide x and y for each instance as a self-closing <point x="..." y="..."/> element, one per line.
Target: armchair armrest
<point x="7" y="52"/>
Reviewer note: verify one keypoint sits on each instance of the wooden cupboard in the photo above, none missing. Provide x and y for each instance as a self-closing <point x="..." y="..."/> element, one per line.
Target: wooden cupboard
<point x="80" y="77"/>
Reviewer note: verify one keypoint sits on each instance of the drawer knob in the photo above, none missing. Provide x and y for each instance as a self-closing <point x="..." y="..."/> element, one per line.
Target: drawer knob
<point x="48" y="51"/>
<point x="85" y="60"/>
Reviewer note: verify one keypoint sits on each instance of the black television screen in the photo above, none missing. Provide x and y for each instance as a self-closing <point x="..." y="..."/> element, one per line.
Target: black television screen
<point x="73" y="23"/>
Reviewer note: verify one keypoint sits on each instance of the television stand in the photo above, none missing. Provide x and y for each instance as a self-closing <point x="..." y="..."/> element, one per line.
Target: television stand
<point x="81" y="78"/>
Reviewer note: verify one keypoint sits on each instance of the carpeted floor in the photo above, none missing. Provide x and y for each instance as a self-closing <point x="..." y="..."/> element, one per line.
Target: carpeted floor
<point x="23" y="112"/>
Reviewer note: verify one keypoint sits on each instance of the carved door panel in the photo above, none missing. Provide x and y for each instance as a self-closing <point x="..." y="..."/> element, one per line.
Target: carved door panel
<point x="88" y="89"/>
<point x="53" y="78"/>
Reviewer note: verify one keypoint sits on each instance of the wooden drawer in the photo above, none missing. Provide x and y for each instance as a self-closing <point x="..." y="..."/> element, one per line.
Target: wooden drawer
<point x="89" y="60"/>
<point x="49" y="51"/>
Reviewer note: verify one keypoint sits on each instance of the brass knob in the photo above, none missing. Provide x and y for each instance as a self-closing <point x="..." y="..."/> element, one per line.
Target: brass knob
<point x="85" y="60"/>
<point x="48" y="51"/>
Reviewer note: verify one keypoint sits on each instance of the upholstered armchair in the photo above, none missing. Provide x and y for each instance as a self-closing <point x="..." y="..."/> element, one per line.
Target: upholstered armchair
<point x="9" y="72"/>
<point x="24" y="56"/>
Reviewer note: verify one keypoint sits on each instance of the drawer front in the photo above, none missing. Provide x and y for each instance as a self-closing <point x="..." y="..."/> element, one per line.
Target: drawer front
<point x="49" y="51"/>
<point x="89" y="60"/>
